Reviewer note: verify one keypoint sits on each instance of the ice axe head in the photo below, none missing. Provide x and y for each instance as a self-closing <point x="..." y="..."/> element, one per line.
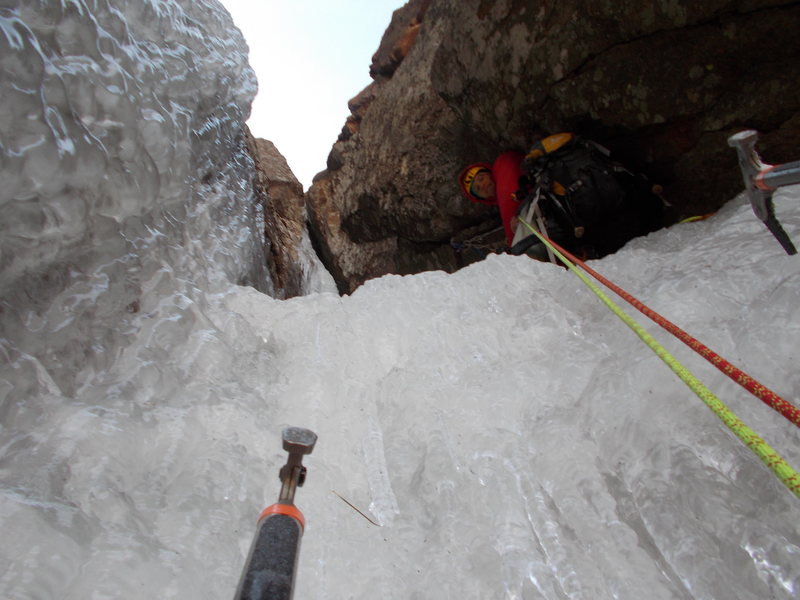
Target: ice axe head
<point x="760" y="196"/>
<point x="751" y="165"/>
<point x="297" y="442"/>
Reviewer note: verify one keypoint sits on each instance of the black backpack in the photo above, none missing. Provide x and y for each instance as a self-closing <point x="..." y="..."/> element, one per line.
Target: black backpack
<point x="590" y="204"/>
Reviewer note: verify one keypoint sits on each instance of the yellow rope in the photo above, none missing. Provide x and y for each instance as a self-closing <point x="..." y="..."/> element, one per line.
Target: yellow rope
<point x="753" y="441"/>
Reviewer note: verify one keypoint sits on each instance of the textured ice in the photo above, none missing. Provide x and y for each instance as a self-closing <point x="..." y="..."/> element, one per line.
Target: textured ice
<point x="125" y="183"/>
<point x="534" y="448"/>
<point x="511" y="438"/>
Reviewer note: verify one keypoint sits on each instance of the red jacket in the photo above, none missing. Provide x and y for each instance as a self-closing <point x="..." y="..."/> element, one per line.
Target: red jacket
<point x="505" y="172"/>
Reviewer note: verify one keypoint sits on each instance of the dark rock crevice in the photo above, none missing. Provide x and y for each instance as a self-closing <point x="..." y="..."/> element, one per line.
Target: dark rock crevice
<point x="716" y="20"/>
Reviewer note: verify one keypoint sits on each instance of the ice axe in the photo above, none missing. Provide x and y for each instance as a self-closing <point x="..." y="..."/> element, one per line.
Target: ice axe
<point x="761" y="179"/>
<point x="269" y="571"/>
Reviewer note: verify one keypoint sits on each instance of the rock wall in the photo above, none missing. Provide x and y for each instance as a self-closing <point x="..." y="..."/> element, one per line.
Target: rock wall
<point x="374" y="210"/>
<point x="280" y="195"/>
<point x="663" y="84"/>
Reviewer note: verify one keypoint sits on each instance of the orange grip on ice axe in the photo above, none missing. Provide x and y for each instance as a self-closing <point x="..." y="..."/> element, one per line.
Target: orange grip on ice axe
<point x="269" y="572"/>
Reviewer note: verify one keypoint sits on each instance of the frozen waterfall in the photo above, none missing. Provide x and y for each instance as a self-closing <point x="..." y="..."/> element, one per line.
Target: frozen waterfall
<point x="510" y="436"/>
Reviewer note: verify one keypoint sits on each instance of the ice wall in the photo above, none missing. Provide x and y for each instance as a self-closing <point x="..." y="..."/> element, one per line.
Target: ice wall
<point x="509" y="435"/>
<point x="123" y="171"/>
<point x="125" y="199"/>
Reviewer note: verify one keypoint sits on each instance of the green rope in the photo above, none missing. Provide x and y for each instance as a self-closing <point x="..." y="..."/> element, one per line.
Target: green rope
<point x="753" y="441"/>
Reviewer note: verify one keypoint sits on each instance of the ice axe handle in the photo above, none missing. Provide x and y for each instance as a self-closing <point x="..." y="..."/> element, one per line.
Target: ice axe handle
<point x="272" y="564"/>
<point x="269" y="571"/>
<point x="780" y="175"/>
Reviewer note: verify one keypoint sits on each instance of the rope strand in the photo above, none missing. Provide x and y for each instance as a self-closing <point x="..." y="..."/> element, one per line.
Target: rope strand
<point x="760" y="391"/>
<point x="751" y="439"/>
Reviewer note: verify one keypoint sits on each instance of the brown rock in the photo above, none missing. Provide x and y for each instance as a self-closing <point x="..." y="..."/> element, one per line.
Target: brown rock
<point x="281" y="196"/>
<point x="398" y="38"/>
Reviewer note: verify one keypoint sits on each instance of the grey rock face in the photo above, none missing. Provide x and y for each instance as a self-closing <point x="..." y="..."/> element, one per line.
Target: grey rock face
<point x="663" y="84"/>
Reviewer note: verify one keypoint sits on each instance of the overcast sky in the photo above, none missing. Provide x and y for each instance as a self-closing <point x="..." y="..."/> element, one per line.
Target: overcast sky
<point x="310" y="57"/>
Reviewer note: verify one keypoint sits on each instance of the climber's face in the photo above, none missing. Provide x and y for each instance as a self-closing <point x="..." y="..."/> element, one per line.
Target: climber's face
<point x="483" y="185"/>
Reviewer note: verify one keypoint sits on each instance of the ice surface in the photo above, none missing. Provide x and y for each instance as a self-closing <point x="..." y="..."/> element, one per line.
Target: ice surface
<point x="534" y="448"/>
<point x="125" y="180"/>
<point x="509" y="435"/>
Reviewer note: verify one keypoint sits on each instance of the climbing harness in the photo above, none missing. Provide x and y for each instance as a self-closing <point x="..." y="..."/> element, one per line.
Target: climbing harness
<point x="761" y="179"/>
<point x="270" y="568"/>
<point x="764" y="451"/>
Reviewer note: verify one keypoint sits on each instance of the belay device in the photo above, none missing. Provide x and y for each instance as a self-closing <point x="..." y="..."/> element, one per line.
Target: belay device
<point x="761" y="179"/>
<point x="270" y="568"/>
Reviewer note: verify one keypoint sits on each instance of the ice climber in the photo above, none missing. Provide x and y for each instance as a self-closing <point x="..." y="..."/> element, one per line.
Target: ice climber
<point x="572" y="191"/>
<point x="496" y="184"/>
